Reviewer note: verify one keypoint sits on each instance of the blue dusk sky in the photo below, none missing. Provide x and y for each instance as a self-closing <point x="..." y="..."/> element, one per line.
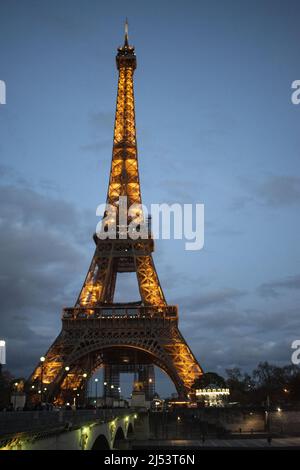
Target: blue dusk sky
<point x="215" y="125"/>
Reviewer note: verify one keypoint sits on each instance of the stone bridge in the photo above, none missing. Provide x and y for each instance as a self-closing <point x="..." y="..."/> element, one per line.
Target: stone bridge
<point x="71" y="430"/>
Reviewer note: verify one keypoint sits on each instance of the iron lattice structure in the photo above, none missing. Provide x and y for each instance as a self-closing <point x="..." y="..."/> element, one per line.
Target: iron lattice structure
<point x="97" y="332"/>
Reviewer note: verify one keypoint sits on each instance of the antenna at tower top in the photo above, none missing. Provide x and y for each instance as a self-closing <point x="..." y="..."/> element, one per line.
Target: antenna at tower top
<point x="126" y="56"/>
<point x="126" y="32"/>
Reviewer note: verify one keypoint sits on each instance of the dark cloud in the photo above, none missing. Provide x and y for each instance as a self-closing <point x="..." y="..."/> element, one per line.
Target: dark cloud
<point x="274" y="191"/>
<point x="178" y="191"/>
<point x="275" y="288"/>
<point x="212" y="298"/>
<point x="102" y="119"/>
<point x="240" y="202"/>
<point x="96" y="147"/>
<point x="42" y="265"/>
<point x="280" y="191"/>
<point x="226" y="232"/>
<point x="227" y="337"/>
<point x="101" y="125"/>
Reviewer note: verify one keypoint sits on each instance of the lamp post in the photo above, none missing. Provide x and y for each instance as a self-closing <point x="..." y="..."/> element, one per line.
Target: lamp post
<point x="15" y="394"/>
<point x="177" y="423"/>
<point x="267" y="413"/>
<point x="67" y="368"/>
<point x="84" y="388"/>
<point x="96" y="382"/>
<point x="42" y="360"/>
<point x="74" y="397"/>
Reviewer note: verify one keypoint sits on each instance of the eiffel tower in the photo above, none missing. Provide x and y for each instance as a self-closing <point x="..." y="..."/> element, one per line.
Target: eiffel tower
<point x="121" y="337"/>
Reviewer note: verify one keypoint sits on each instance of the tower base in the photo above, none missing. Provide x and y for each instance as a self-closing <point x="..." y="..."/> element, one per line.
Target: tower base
<point x="113" y="336"/>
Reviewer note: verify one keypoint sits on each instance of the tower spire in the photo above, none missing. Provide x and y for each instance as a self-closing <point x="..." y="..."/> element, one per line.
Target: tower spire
<point x="126" y="43"/>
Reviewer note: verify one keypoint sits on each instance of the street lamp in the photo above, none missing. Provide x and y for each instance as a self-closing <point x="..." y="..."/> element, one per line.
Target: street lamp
<point x="267" y="415"/>
<point x="84" y="375"/>
<point x="42" y="360"/>
<point x="104" y="389"/>
<point x="96" y="383"/>
<point x="67" y="368"/>
<point x="15" y="395"/>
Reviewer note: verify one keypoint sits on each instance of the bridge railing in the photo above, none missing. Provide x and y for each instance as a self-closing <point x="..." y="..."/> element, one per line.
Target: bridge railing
<point x="42" y="421"/>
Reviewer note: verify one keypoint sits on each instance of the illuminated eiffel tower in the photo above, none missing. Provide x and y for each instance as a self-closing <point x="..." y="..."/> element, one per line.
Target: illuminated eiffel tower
<point x="96" y="332"/>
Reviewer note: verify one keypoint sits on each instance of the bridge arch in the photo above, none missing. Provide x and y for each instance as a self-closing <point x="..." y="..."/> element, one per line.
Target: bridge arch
<point x="130" y="430"/>
<point x="101" y="443"/>
<point x="119" y="438"/>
